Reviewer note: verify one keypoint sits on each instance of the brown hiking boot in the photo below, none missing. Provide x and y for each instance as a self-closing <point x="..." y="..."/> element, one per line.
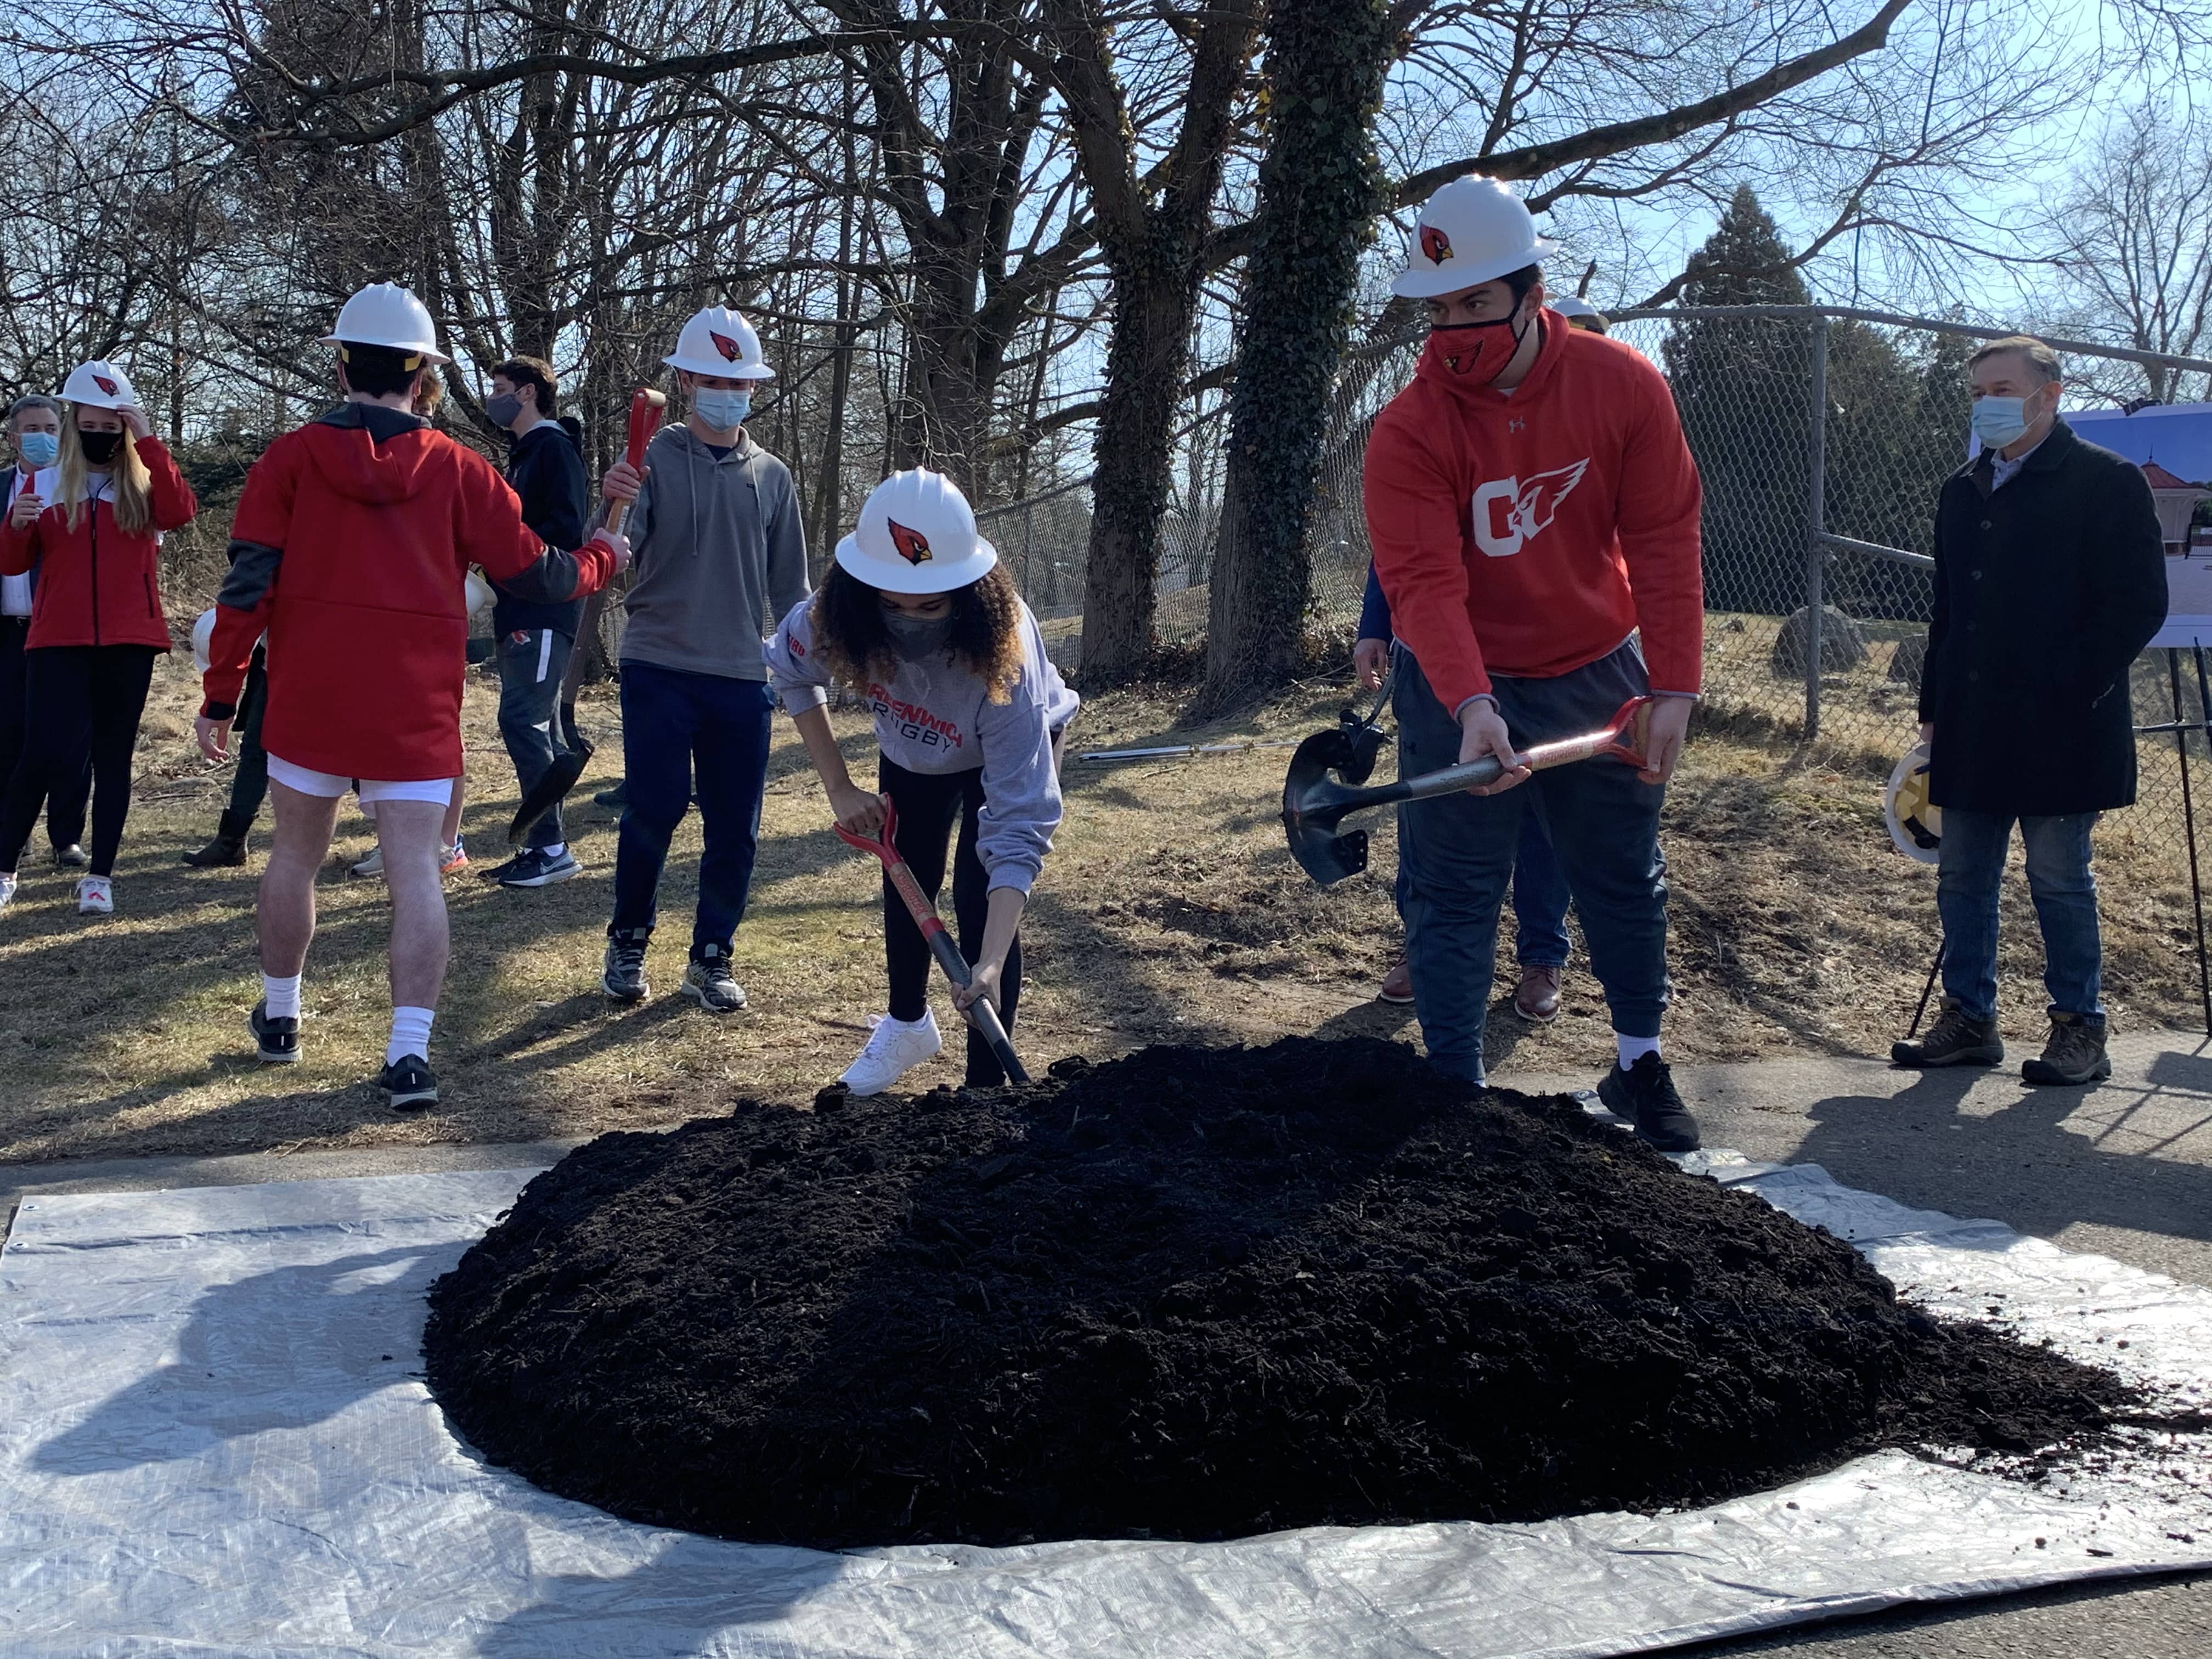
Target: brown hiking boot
<point x="1398" y="984"/>
<point x="1955" y="1039"/>
<point x="1537" y="997"/>
<point x="2075" y="1053"/>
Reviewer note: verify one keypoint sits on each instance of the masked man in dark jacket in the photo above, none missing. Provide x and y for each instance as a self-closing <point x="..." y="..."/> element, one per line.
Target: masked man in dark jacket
<point x="2049" y="580"/>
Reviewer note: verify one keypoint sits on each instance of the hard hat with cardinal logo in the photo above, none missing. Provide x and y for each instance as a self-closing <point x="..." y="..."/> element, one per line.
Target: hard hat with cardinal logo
<point x="99" y="385"/>
<point x="916" y="535"/>
<point x="717" y="341"/>
<point x="1472" y="230"/>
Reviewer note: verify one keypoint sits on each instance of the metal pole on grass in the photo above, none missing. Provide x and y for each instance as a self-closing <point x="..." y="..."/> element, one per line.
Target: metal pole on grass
<point x="2189" y="829"/>
<point x="1816" y="503"/>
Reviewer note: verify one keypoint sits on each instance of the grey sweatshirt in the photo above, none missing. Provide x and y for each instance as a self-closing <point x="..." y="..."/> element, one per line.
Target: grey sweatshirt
<point x="936" y="716"/>
<point x="718" y="555"/>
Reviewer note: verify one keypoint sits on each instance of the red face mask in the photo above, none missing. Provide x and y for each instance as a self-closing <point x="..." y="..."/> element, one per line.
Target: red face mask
<point x="1474" y="354"/>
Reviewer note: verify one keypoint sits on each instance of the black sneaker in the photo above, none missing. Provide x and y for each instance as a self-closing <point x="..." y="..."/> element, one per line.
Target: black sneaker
<point x="71" y="857"/>
<point x="408" y="1081"/>
<point x="617" y="797"/>
<point x="276" y="1042"/>
<point x="2075" y="1054"/>
<point x="1956" y="1038"/>
<point x="707" y="981"/>
<point x="624" y="978"/>
<point x="535" y="867"/>
<point x="1645" y="1092"/>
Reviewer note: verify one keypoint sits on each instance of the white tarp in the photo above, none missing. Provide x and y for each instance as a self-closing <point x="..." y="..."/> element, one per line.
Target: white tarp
<point x="214" y="1440"/>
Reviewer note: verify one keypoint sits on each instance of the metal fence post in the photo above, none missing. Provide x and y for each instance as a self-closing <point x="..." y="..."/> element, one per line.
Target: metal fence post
<point x="1816" y="552"/>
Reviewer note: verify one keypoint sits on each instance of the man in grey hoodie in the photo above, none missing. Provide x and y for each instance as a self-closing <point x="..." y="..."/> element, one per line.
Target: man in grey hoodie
<point x="718" y="558"/>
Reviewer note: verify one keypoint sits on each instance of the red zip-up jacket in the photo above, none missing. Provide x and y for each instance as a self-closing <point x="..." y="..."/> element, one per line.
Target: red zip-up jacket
<point x="97" y="585"/>
<point x="1529" y="534"/>
<point x="351" y="547"/>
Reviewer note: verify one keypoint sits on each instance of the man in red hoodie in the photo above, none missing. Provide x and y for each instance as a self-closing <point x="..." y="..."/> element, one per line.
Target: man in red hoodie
<point x="350" y="547"/>
<point x="1534" y="511"/>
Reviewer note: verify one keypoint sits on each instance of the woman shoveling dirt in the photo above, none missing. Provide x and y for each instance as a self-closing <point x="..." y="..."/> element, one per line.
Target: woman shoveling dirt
<point x="1192" y="1293"/>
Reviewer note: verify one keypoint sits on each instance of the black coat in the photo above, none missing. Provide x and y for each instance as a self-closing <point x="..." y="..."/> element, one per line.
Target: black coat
<point x="546" y="469"/>
<point x="2046" y="590"/>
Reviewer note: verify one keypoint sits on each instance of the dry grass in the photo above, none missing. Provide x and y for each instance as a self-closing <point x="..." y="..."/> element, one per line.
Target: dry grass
<point x="1170" y="911"/>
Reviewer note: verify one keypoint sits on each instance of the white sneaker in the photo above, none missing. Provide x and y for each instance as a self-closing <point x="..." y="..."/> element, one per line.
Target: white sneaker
<point x="95" y="897"/>
<point x="7" y="890"/>
<point x="370" y="868"/>
<point x="895" y="1047"/>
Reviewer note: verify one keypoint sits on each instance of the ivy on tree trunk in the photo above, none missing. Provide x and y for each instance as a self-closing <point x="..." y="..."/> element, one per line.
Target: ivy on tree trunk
<point x="1321" y="190"/>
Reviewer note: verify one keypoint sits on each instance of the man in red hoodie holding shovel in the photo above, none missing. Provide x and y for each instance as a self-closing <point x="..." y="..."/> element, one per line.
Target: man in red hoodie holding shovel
<point x="351" y="547"/>
<point x="1534" y="509"/>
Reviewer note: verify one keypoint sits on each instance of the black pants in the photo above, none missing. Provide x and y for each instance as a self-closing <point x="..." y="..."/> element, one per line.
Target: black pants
<point x="81" y="697"/>
<point x="532" y="661"/>
<point x="65" y="808"/>
<point x="249" y="785"/>
<point x="927" y="807"/>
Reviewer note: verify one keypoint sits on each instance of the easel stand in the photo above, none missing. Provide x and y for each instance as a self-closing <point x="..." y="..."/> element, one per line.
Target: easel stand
<point x="2181" y="728"/>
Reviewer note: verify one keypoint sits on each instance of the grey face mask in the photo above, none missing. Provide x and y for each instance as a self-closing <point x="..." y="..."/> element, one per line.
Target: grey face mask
<point x="917" y="637"/>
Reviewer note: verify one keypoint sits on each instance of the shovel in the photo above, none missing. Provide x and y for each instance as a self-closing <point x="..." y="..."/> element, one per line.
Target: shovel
<point x="941" y="942"/>
<point x="646" y="408"/>
<point x="1314" y="803"/>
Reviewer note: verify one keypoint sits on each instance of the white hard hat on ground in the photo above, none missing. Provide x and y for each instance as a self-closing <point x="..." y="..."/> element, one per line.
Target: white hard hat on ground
<point x="1916" y="823"/>
<point x="386" y="314"/>
<point x="203" y="638"/>
<point x="1472" y="230"/>
<point x="99" y="385"/>
<point x="1573" y="305"/>
<point x="717" y="341"/>
<point x="916" y="535"/>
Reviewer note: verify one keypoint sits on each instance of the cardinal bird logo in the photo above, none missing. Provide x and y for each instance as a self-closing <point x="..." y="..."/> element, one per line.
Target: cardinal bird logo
<point x="730" y="350"/>
<point x="912" y="544"/>
<point x="105" y="384"/>
<point x="1526" y="509"/>
<point x="1436" y="246"/>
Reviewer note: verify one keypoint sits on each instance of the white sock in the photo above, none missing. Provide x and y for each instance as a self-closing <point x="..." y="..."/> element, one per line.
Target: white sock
<point x="554" y="850"/>
<point x="1634" y="1048"/>
<point x="410" y="1035"/>
<point x="281" y="996"/>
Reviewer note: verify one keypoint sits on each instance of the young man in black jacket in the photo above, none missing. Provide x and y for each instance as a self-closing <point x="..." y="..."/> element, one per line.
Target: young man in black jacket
<point x="2049" y="580"/>
<point x="546" y="467"/>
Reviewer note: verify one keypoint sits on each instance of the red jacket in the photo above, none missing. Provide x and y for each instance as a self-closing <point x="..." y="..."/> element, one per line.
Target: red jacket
<point x="1528" y="535"/>
<point x="351" y="547"/>
<point x="97" y="585"/>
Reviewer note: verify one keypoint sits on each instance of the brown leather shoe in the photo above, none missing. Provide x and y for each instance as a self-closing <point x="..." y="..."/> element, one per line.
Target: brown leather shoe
<point x="1397" y="985"/>
<point x="1537" y="996"/>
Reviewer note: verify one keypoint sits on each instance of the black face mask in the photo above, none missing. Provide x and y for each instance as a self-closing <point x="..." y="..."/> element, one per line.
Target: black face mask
<point x="99" y="447"/>
<point x="914" y="638"/>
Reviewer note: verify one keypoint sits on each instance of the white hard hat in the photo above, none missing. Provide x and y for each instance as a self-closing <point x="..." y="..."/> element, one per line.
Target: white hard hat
<point x="916" y="535"/>
<point x="203" y="638"/>
<point x="718" y="341"/>
<point x="386" y="314"/>
<point x="99" y="385"/>
<point x="1573" y="305"/>
<point x="1472" y="230"/>
<point x="1916" y="823"/>
<point x="479" y="591"/>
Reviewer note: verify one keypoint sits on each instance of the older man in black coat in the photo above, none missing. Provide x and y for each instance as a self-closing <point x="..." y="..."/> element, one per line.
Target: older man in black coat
<point x="2050" y="579"/>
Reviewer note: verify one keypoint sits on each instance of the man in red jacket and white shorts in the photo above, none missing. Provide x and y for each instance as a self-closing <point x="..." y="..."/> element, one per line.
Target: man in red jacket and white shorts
<point x="1534" y="509"/>
<point x="351" y="547"/>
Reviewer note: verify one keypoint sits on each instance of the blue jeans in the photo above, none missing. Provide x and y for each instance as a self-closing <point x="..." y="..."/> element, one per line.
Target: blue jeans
<point x="1969" y="874"/>
<point x="532" y="661"/>
<point x="670" y="720"/>
<point x="1457" y="854"/>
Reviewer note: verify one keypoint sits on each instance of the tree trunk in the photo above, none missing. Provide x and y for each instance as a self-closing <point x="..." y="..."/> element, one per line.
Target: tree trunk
<point x="1319" y="191"/>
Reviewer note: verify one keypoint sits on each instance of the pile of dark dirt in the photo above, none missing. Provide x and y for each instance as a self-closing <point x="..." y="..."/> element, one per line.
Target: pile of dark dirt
<point x="1192" y="1293"/>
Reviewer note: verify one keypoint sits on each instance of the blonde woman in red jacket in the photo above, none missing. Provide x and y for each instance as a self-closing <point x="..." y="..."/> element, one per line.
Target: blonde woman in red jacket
<point x="93" y="530"/>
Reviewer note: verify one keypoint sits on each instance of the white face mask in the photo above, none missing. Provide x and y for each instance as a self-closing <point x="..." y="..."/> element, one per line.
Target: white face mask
<point x="1999" y="422"/>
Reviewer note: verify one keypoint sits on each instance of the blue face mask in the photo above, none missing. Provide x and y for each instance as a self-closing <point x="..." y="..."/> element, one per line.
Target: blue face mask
<point x="39" y="449"/>
<point x="1998" y="422"/>
<point x="723" y="411"/>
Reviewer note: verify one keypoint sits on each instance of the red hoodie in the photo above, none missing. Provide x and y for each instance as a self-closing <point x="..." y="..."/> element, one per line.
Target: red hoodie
<point x="1529" y="534"/>
<point x="99" y="584"/>
<point x="351" y="547"/>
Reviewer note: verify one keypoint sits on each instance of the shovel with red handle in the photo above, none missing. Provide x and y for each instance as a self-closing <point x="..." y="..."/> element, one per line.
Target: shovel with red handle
<point x="646" y="408"/>
<point x="1314" y="803"/>
<point x="941" y="942"/>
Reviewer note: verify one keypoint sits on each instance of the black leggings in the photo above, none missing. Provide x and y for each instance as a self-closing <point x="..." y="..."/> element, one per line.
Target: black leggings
<point x="927" y="808"/>
<point x="80" y="698"/>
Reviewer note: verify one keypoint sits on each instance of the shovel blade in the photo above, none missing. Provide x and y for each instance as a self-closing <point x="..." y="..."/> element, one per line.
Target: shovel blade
<point x="1314" y="803"/>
